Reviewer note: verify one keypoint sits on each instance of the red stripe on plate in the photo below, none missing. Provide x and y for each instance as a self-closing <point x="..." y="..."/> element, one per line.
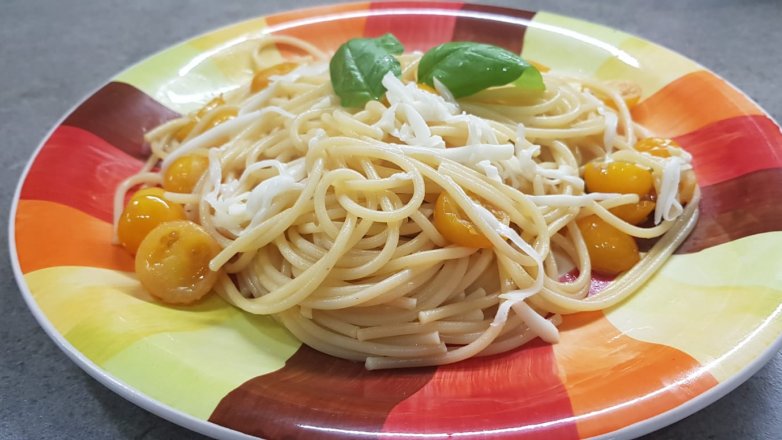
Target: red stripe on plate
<point x="418" y="25"/>
<point x="504" y="27"/>
<point x="317" y="396"/>
<point x="737" y="208"/>
<point x="121" y="114"/>
<point x="515" y="395"/>
<point x="78" y="169"/>
<point x="733" y="147"/>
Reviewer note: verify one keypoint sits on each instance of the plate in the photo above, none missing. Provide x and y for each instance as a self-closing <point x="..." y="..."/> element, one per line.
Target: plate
<point x="704" y="324"/>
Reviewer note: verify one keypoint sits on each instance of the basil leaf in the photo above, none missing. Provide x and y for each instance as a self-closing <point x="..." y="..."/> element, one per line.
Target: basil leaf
<point x="467" y="68"/>
<point x="530" y="79"/>
<point x="358" y="67"/>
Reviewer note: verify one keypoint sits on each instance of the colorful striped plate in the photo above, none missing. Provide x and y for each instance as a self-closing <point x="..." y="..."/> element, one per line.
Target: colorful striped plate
<point x="704" y="324"/>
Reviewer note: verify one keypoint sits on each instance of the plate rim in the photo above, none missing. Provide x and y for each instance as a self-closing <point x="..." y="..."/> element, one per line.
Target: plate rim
<point x="208" y="428"/>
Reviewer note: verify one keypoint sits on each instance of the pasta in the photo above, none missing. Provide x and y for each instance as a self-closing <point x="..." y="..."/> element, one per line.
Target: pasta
<point x="419" y="229"/>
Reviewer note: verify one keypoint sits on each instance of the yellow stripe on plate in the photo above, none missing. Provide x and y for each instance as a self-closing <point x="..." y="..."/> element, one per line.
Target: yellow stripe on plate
<point x="192" y="371"/>
<point x="230" y="49"/>
<point x="188" y="75"/>
<point x="722" y="306"/>
<point x="171" y="79"/>
<point x="572" y="45"/>
<point x="657" y="66"/>
<point x="188" y="357"/>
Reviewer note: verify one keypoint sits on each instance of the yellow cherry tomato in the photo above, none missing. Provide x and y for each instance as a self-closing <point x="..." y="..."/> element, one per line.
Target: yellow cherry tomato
<point x="453" y="224"/>
<point x="427" y="88"/>
<point x="185" y="130"/>
<point x="172" y="262"/>
<point x="618" y="177"/>
<point x="656" y="146"/>
<point x="215" y="102"/>
<point x="222" y="117"/>
<point x="261" y="78"/>
<point x="630" y="92"/>
<point x="183" y="173"/>
<point x="542" y="68"/>
<point x="611" y="251"/>
<point x="634" y="213"/>
<point x="145" y="210"/>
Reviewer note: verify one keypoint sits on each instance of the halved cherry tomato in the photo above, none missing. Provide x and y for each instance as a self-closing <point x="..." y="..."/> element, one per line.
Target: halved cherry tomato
<point x="172" y="262"/>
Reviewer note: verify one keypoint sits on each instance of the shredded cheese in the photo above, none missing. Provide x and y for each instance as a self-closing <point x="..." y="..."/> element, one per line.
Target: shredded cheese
<point x="668" y="206"/>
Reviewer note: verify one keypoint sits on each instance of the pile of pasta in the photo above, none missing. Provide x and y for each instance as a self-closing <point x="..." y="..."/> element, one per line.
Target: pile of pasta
<point x="418" y="230"/>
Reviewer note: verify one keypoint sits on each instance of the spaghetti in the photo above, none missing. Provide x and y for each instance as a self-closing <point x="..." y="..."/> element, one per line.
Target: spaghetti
<point x="341" y="222"/>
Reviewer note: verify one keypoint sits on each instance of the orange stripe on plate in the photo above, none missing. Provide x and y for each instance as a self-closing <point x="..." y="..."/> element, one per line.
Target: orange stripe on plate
<point x="49" y="234"/>
<point x="326" y="27"/>
<point x="691" y="102"/>
<point x="614" y="381"/>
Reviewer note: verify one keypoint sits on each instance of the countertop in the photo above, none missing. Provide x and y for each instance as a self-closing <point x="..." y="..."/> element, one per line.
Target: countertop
<point x="55" y="53"/>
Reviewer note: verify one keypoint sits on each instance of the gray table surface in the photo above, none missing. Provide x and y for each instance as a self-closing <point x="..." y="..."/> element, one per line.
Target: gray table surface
<point x="54" y="53"/>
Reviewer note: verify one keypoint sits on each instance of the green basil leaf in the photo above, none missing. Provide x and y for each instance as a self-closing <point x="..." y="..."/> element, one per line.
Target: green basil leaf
<point x="358" y="67"/>
<point x="466" y="68"/>
<point x="530" y="79"/>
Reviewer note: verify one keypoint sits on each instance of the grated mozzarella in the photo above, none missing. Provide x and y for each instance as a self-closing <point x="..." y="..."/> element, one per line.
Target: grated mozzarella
<point x="431" y="107"/>
<point x="668" y="206"/>
<point x="221" y="197"/>
<point x="609" y="135"/>
<point x="419" y="134"/>
<point x="478" y="129"/>
<point x="490" y="170"/>
<point x="387" y="121"/>
<point x="233" y="209"/>
<point x="259" y="203"/>
<point x="521" y="132"/>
